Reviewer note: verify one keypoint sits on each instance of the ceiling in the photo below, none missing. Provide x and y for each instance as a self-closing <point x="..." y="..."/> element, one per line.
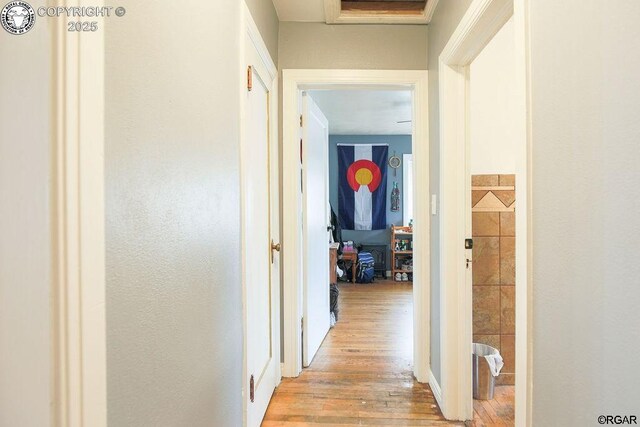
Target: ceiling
<point x="356" y="11"/>
<point x="365" y="112"/>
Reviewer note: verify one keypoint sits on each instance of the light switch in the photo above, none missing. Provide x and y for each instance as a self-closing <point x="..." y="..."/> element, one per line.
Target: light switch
<point x="434" y="207"/>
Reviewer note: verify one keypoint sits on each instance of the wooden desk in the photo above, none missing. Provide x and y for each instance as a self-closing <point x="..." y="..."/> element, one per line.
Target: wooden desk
<point x="353" y="257"/>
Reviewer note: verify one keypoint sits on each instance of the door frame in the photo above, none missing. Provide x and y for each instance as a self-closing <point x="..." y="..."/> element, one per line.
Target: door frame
<point x="293" y="82"/>
<point x="405" y="175"/>
<point x="481" y="22"/>
<point x="250" y="28"/>
<point x="78" y="320"/>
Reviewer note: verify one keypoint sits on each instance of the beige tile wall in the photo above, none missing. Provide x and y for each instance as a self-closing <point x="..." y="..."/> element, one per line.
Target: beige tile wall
<point x="493" y="200"/>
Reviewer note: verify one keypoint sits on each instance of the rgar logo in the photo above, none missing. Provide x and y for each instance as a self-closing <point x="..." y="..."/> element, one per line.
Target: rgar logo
<point x="17" y="17"/>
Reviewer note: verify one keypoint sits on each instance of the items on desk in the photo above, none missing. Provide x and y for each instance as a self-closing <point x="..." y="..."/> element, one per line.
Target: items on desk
<point x="348" y="246"/>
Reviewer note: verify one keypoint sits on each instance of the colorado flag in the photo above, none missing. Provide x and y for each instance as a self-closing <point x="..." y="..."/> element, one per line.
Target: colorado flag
<point x="362" y="186"/>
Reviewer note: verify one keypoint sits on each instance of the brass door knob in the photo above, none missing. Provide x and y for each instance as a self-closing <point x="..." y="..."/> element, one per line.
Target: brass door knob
<point x="274" y="247"/>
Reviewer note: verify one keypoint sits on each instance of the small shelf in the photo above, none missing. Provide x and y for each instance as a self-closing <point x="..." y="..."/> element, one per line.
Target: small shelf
<point x="404" y="235"/>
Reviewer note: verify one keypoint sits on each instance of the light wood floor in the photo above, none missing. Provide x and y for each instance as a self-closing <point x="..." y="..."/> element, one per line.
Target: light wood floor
<point x="362" y="374"/>
<point x="496" y="412"/>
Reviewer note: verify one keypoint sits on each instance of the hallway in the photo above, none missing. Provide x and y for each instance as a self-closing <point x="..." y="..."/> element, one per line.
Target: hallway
<point x="362" y="373"/>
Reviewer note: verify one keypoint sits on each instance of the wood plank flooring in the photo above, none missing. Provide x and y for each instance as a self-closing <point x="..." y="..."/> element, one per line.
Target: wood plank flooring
<point x="362" y="374"/>
<point x="496" y="412"/>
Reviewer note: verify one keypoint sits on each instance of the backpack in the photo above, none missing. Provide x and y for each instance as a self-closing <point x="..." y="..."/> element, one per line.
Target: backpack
<point x="366" y="270"/>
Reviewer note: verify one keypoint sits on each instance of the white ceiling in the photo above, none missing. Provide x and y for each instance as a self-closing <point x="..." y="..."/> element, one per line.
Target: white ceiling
<point x="365" y="112"/>
<point x="300" y="10"/>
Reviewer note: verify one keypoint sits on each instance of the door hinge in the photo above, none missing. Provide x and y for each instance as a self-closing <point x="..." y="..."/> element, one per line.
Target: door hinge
<point x="249" y="78"/>
<point x="252" y="389"/>
<point x="302" y="323"/>
<point x="300" y="120"/>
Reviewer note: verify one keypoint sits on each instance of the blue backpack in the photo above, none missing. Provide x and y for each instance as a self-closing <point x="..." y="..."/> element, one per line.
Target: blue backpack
<point x="366" y="270"/>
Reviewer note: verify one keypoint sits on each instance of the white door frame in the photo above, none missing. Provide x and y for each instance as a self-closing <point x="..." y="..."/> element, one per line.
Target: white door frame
<point x="406" y="214"/>
<point x="78" y="323"/>
<point x="481" y="22"/>
<point x="293" y="82"/>
<point x="266" y="68"/>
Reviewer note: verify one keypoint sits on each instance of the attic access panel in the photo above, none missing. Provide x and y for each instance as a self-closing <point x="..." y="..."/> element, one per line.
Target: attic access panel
<point x="379" y="11"/>
<point x="389" y="7"/>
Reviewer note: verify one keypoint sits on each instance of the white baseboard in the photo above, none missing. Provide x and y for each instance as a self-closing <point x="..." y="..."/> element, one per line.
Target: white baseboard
<point x="437" y="391"/>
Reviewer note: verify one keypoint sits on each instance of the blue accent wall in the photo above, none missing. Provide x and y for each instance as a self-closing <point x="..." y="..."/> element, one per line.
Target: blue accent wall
<point x="401" y="144"/>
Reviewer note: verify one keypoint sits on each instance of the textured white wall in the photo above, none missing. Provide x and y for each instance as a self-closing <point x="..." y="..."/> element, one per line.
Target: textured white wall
<point x="174" y="308"/>
<point x="25" y="226"/>
<point x="317" y="45"/>
<point x="586" y="204"/>
<point x="492" y="106"/>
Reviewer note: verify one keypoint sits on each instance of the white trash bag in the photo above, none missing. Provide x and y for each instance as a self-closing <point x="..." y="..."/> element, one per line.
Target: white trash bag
<point x="491" y="355"/>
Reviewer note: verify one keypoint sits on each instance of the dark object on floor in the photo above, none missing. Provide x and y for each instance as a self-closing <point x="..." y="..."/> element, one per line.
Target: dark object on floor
<point x="334" y="292"/>
<point x="366" y="272"/>
<point x="346" y="271"/>
<point x="379" y="253"/>
<point x="349" y="272"/>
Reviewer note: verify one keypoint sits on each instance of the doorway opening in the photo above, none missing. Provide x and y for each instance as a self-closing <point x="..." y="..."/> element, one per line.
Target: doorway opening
<point x="462" y="261"/>
<point x="493" y="141"/>
<point x="370" y="245"/>
<point x="294" y="83"/>
<point x="304" y="90"/>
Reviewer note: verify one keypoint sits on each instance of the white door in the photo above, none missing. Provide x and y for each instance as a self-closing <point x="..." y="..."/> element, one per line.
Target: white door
<point x="315" y="150"/>
<point x="260" y="228"/>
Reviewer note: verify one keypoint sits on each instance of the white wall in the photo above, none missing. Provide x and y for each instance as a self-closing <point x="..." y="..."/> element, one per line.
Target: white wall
<point x="317" y="45"/>
<point x="174" y="307"/>
<point x="586" y="210"/>
<point x="492" y="102"/>
<point x="25" y="226"/>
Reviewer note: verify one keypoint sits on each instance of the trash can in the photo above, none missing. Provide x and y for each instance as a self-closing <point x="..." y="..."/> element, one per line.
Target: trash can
<point x="483" y="374"/>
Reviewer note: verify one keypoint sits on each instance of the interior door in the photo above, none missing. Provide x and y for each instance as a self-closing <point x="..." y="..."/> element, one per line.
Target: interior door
<point x="315" y="150"/>
<point x="260" y="237"/>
